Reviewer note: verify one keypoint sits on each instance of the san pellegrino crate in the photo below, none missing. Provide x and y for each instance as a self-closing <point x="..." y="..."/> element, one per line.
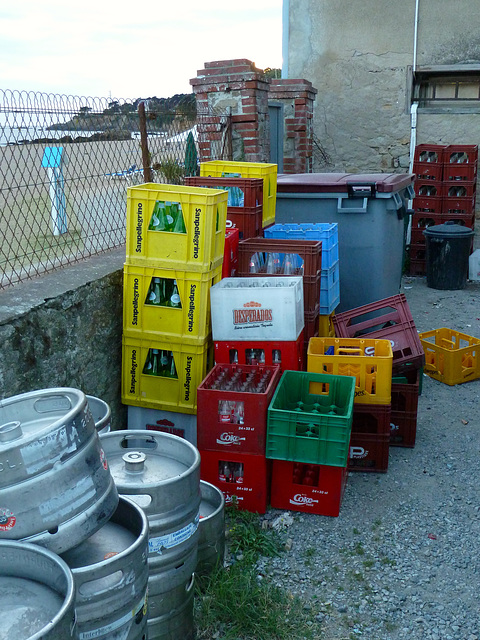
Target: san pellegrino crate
<point x="162" y="375"/>
<point x="267" y="308"/>
<point x="266" y="171"/>
<point x="168" y="304"/>
<point x="368" y="360"/>
<point x="197" y="245"/>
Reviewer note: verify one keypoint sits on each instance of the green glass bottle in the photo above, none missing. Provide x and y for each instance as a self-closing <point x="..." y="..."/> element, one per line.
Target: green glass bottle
<point x="174" y="300"/>
<point x="155" y="296"/>
<point x="164" y="363"/>
<point x="169" y="214"/>
<point x="179" y="225"/>
<point x="172" y="372"/>
<point x="148" y="366"/>
<point x="155" y="363"/>
<point x="158" y="221"/>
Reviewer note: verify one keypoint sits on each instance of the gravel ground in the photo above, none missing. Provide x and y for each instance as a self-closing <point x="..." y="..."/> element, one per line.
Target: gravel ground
<point x="401" y="560"/>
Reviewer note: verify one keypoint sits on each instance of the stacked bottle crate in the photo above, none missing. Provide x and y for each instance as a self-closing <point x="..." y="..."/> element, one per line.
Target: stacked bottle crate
<point x="174" y="254"/>
<point x="445" y="190"/>
<point x="260" y="257"/>
<point x="327" y="233"/>
<point x="369" y="361"/>
<point x="308" y="435"/>
<point x="391" y="319"/>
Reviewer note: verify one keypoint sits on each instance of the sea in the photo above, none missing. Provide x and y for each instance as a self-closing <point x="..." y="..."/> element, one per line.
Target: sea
<point x="16" y="135"/>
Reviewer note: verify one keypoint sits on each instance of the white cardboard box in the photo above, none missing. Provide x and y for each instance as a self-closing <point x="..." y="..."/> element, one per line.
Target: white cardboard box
<point x="179" y="424"/>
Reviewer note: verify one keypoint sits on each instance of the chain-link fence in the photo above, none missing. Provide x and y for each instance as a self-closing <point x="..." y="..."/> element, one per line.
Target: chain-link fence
<point x="66" y="163"/>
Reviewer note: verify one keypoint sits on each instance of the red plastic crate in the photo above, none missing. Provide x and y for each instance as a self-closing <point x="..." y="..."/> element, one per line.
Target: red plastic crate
<point x="459" y="173"/>
<point x="462" y="190"/>
<point x="417" y="267"/>
<point x="463" y="207"/>
<point x="230" y="256"/>
<point x="309" y="250"/>
<point x="429" y="153"/>
<point x="427" y="205"/>
<point x="428" y="188"/>
<point x="252" y="188"/>
<point x="220" y="425"/>
<point x="287" y="354"/>
<point x="428" y="170"/>
<point x="422" y="220"/>
<point x="403" y="429"/>
<point x="405" y="394"/>
<point x="252" y="494"/>
<point x="418" y="252"/>
<point x="468" y="153"/>
<point x="389" y="318"/>
<point x="369" y="452"/>
<point x="308" y="488"/>
<point x="371" y="418"/>
<point x="416" y="236"/>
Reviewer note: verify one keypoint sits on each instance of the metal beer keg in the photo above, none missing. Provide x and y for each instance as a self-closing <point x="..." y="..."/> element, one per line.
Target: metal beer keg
<point x="101" y="412"/>
<point x="211" y="542"/>
<point x="110" y="571"/>
<point x="37" y="594"/>
<point x="161" y="473"/>
<point x="55" y="485"/>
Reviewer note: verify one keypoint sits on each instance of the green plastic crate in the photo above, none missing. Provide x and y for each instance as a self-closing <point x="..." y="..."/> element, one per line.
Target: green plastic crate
<point x="310" y="418"/>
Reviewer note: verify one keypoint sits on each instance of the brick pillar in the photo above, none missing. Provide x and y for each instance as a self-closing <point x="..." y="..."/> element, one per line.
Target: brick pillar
<point x="297" y="97"/>
<point x="238" y="86"/>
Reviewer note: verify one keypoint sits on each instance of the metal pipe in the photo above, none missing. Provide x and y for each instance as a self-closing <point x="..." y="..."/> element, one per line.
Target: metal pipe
<point x="147" y="173"/>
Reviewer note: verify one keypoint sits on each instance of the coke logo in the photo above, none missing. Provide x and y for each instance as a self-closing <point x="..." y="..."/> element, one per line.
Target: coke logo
<point x="229" y="438"/>
<point x="302" y="499"/>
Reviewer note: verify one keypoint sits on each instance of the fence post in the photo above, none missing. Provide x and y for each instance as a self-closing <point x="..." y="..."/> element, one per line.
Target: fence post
<point x="147" y="172"/>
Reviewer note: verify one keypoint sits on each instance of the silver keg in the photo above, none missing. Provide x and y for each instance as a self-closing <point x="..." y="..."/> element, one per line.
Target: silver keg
<point x="55" y="485"/>
<point x="37" y="594"/>
<point x="211" y="542"/>
<point x="161" y="473"/>
<point x="101" y="412"/>
<point x="110" y="571"/>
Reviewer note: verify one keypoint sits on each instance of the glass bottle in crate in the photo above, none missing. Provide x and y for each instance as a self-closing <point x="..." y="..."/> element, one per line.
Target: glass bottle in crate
<point x="158" y="221"/>
<point x="179" y="223"/>
<point x="174" y="299"/>
<point x="155" y="293"/>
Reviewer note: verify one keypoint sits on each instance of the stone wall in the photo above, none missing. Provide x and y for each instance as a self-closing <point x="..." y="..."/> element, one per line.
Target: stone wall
<point x="64" y="329"/>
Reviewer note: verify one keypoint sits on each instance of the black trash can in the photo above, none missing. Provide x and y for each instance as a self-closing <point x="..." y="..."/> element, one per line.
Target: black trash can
<point x="448" y="247"/>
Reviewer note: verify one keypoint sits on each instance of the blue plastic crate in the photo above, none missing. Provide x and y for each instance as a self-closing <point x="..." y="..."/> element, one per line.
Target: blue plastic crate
<point x="330" y="289"/>
<point x="324" y="231"/>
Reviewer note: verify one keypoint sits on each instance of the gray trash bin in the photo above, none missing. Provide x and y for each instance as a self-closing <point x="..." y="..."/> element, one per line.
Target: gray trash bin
<point x="370" y="210"/>
<point x="448" y="248"/>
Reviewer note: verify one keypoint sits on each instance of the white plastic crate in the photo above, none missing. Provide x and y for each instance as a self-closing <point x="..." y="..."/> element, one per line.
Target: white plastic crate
<point x="269" y="308"/>
<point x="182" y="425"/>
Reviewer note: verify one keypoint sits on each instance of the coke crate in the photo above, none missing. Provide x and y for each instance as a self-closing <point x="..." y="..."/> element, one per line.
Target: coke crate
<point x="403" y="429"/>
<point x="244" y="479"/>
<point x="310" y="418"/>
<point x="148" y="310"/>
<point x="459" y="172"/>
<point x="417" y="267"/>
<point x="235" y="420"/>
<point x="230" y="255"/>
<point x="388" y="318"/>
<point x="308" y="488"/>
<point x="330" y="289"/>
<point x="325" y="326"/>
<point x="461" y="154"/>
<point x="463" y="190"/>
<point x="327" y="233"/>
<point x="418" y="252"/>
<point x="369" y="361"/>
<point x="267" y="172"/>
<point x="183" y="367"/>
<point x="424" y="220"/>
<point x="429" y="153"/>
<point x="201" y="248"/>
<point x="369" y="452"/>
<point x="288" y="354"/>
<point x="462" y="208"/>
<point x="427" y="205"/>
<point x="257" y="308"/>
<point x="428" y="170"/>
<point x="371" y="418"/>
<point x="450" y="356"/>
<point x="183" y="425"/>
<point x="428" y="188"/>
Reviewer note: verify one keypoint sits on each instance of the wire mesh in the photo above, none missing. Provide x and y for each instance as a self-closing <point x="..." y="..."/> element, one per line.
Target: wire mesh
<point x="66" y="163"/>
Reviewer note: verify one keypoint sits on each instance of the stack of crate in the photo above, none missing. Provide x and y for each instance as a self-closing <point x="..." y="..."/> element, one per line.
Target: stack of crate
<point x="369" y="360"/>
<point x="271" y="257"/>
<point x="308" y="436"/>
<point x="327" y="233"/>
<point x="445" y="190"/>
<point x="174" y="254"/>
<point x="391" y="319"/>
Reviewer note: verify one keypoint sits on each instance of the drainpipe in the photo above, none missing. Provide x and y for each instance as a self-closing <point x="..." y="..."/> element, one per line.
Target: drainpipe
<point x="285" y="31"/>
<point x="413" y="114"/>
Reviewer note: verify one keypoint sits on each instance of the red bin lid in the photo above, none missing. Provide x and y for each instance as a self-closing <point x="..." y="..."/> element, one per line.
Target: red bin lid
<point x="340" y="182"/>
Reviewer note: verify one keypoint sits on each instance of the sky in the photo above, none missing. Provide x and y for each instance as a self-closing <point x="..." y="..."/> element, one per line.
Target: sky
<point x="128" y="50"/>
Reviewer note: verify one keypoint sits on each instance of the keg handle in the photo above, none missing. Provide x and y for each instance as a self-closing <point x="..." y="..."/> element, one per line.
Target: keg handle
<point x="52" y="403"/>
<point x="138" y="441"/>
<point x="10" y="431"/>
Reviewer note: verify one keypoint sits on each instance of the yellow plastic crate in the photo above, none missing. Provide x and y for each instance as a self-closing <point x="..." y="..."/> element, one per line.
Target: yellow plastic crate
<point x="190" y="323"/>
<point x="450" y="356"/>
<point x="325" y="326"/>
<point x="199" y="249"/>
<point x="368" y="360"/>
<point x="218" y="168"/>
<point x="192" y="363"/>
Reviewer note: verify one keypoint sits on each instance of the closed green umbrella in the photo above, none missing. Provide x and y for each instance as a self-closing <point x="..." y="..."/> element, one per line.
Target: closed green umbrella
<point x="191" y="158"/>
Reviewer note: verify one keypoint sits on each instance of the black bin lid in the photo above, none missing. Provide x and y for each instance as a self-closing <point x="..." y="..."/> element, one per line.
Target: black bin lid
<point x="449" y="229"/>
